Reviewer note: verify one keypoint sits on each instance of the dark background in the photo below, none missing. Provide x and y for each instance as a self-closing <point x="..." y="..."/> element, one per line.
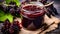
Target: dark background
<point x="57" y="6"/>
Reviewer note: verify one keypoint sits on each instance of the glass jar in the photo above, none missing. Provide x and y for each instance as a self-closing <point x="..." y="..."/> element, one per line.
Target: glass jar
<point x="33" y="16"/>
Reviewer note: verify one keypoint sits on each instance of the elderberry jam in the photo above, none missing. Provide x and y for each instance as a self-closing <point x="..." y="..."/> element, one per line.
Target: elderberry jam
<point x="33" y="16"/>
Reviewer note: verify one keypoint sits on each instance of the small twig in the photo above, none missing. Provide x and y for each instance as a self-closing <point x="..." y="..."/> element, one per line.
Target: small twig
<point x="49" y="4"/>
<point x="8" y="5"/>
<point x="46" y="28"/>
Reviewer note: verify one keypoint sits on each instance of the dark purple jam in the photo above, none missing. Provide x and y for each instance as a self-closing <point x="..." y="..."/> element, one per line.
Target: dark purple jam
<point x="32" y="14"/>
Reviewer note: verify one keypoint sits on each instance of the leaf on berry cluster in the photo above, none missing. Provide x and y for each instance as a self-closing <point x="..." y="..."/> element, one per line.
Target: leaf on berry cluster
<point x="4" y="16"/>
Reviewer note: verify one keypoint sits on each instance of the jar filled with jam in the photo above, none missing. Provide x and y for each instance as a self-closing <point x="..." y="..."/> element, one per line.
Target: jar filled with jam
<point x="32" y="16"/>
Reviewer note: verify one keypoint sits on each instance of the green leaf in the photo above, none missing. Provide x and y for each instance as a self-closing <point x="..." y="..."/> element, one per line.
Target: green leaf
<point x="17" y="2"/>
<point x="8" y="1"/>
<point x="9" y="17"/>
<point x="1" y="13"/>
<point x="4" y="16"/>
